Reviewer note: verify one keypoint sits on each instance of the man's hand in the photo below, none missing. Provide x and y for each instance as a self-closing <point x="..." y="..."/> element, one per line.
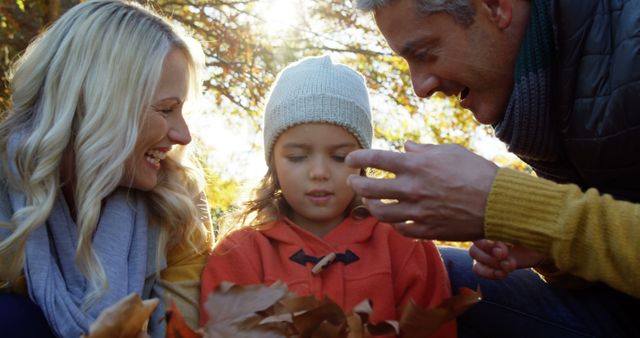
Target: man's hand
<point x="495" y="260"/>
<point x="439" y="191"/>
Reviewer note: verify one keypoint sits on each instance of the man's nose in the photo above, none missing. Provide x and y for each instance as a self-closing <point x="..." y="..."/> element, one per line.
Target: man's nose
<point x="424" y="82"/>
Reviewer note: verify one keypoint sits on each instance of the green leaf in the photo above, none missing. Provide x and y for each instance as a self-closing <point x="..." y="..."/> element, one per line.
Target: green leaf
<point x="20" y="4"/>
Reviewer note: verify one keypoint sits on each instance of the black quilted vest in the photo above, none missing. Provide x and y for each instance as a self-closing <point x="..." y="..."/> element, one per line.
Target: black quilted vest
<point x="595" y="100"/>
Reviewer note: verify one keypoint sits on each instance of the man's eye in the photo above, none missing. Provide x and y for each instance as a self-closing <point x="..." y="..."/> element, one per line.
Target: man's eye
<point x="425" y="55"/>
<point x="421" y="54"/>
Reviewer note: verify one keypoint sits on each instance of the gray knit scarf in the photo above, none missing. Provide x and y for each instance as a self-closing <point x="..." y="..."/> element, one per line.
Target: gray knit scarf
<point x="53" y="279"/>
<point x="527" y="127"/>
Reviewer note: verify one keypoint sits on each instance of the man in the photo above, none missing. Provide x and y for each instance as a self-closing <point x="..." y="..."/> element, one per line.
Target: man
<point x="560" y="83"/>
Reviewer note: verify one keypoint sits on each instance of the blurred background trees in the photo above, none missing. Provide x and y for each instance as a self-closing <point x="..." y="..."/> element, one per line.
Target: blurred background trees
<point x="246" y="43"/>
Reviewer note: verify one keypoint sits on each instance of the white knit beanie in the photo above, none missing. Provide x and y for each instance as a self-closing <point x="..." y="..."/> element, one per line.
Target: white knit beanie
<point x="317" y="90"/>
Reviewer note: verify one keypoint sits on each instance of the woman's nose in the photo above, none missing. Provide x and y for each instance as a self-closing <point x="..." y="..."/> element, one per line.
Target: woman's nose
<point x="179" y="131"/>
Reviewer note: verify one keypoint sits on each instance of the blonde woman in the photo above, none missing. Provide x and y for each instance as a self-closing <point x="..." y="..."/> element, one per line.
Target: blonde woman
<point x="96" y="201"/>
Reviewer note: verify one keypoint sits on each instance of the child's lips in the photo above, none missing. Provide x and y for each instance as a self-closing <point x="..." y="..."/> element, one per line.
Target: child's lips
<point x="319" y="196"/>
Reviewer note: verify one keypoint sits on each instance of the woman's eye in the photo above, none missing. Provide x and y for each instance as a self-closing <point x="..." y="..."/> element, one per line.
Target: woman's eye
<point x="165" y="112"/>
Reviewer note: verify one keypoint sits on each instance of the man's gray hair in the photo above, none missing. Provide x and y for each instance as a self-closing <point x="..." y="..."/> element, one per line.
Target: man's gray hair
<point x="461" y="10"/>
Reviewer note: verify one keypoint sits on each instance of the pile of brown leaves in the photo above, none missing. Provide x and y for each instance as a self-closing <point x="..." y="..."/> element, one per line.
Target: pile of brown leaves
<point x="272" y="311"/>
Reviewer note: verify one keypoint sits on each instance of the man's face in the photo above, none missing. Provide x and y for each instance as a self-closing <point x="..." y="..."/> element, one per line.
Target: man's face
<point x="475" y="62"/>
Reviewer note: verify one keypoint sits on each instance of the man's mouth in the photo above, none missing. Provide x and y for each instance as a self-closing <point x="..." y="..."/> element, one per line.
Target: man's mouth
<point x="464" y="93"/>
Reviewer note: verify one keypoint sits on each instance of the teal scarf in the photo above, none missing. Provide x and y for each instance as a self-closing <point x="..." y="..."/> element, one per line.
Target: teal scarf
<point x="527" y="126"/>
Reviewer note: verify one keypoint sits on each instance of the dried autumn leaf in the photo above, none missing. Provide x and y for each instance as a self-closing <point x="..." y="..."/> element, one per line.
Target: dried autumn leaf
<point x="326" y="317"/>
<point x="127" y="318"/>
<point x="234" y="303"/>
<point x="363" y="310"/>
<point x="234" y="309"/>
<point x="177" y="327"/>
<point x="417" y="322"/>
<point x="356" y="327"/>
<point x="461" y="302"/>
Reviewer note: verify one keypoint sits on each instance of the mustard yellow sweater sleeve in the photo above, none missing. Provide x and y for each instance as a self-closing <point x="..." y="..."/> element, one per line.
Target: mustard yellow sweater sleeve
<point x="180" y="280"/>
<point x="589" y="235"/>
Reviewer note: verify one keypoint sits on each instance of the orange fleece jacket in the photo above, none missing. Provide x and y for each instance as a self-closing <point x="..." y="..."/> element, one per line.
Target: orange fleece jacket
<point x="391" y="269"/>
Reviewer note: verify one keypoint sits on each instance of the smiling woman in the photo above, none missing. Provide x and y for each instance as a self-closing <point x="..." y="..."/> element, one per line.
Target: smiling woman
<point x="279" y="15"/>
<point x="95" y="208"/>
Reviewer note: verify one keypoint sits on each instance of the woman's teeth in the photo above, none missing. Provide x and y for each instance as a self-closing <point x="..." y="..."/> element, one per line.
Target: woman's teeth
<point x="155" y="156"/>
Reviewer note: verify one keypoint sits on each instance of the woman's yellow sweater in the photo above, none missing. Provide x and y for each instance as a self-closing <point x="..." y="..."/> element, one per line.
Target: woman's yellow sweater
<point x="586" y="234"/>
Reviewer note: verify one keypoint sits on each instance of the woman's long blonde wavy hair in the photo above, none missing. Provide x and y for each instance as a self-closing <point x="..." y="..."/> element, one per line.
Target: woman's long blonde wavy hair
<point x="83" y="87"/>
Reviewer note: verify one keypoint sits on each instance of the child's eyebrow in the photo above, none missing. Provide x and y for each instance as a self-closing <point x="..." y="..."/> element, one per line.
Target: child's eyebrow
<point x="309" y="146"/>
<point x="344" y="145"/>
<point x="296" y="145"/>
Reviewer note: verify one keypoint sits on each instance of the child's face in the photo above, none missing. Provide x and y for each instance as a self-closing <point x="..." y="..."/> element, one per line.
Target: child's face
<point x="309" y="163"/>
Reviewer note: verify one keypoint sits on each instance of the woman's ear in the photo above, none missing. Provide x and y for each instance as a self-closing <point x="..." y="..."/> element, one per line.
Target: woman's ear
<point x="499" y="12"/>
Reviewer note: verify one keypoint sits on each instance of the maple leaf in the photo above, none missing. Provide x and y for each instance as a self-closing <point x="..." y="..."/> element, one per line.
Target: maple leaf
<point x="127" y="318"/>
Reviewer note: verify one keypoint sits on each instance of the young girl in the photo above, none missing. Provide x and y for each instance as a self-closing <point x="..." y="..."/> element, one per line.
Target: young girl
<point x="304" y="210"/>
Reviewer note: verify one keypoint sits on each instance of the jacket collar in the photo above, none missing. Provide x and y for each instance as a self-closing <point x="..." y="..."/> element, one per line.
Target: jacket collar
<point x="350" y="230"/>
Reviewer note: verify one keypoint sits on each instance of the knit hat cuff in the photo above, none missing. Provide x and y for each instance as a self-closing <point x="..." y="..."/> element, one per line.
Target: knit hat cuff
<point x="318" y="108"/>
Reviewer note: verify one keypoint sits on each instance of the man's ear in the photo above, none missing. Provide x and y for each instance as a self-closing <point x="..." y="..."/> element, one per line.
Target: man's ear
<point x="498" y="11"/>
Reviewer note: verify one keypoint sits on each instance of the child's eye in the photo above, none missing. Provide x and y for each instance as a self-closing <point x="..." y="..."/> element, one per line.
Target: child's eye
<point x="338" y="158"/>
<point x="296" y="158"/>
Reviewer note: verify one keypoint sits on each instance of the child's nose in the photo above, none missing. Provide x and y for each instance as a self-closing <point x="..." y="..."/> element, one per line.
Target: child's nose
<point x="319" y="170"/>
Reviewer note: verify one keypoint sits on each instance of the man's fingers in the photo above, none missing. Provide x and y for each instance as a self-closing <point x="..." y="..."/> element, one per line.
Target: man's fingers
<point x="485" y="244"/>
<point x="508" y="265"/>
<point x="381" y="159"/>
<point x="413" y="147"/>
<point x="414" y="230"/>
<point x="375" y="188"/>
<point x="487" y="272"/>
<point x="499" y="250"/>
<point x="484" y="256"/>
<point x="388" y="212"/>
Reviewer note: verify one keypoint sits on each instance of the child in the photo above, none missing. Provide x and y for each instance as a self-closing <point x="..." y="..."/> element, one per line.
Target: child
<point x="304" y="210"/>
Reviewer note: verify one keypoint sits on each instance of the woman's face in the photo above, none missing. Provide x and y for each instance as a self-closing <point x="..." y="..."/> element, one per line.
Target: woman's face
<point x="309" y="163"/>
<point x="163" y="125"/>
